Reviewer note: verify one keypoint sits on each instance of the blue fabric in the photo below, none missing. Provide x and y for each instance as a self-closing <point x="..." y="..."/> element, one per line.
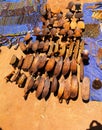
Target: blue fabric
<point x="17" y="28"/>
<point x="92" y="70"/>
<point x="11" y="0"/>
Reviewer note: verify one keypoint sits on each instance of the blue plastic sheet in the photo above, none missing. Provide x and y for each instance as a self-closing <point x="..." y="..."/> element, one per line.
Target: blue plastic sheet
<point x="92" y="70"/>
<point x="10" y="0"/>
<point x="17" y="28"/>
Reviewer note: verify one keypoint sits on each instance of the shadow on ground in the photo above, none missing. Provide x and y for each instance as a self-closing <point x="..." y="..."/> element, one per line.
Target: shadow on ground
<point x="95" y="125"/>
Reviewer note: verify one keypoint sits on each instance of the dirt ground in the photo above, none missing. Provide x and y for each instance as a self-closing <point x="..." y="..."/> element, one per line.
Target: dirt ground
<point x="34" y="114"/>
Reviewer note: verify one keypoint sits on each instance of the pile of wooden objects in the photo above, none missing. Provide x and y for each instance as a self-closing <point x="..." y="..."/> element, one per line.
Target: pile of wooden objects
<point x="53" y="59"/>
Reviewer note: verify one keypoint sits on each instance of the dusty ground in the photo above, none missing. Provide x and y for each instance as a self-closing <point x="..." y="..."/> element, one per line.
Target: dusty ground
<point x="33" y="114"/>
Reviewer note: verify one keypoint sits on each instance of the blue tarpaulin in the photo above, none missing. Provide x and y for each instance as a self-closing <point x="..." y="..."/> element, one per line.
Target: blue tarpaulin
<point x="92" y="70"/>
<point x="10" y="0"/>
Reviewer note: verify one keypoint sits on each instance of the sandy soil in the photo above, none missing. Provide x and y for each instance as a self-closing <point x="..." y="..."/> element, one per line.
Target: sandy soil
<point x="33" y="114"/>
<point x="62" y="4"/>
